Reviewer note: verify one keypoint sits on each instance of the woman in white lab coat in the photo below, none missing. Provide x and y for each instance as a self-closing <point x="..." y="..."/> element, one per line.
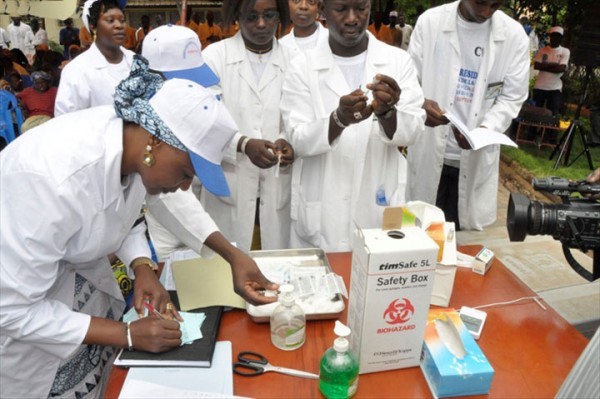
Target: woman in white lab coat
<point x="68" y="200"/>
<point x="90" y="79"/>
<point x="250" y="66"/>
<point x="348" y="158"/>
<point x="307" y="31"/>
<point x="434" y="47"/>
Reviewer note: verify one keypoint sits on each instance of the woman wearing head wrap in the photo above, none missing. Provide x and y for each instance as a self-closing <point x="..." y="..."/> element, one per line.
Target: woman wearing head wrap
<point x="38" y="101"/>
<point x="91" y="78"/>
<point x="68" y="199"/>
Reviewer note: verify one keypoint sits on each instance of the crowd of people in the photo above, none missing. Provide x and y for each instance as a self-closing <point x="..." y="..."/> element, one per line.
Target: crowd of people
<point x="295" y="134"/>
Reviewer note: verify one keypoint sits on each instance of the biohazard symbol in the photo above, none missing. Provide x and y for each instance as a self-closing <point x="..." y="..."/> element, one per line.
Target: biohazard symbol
<point x="398" y="312"/>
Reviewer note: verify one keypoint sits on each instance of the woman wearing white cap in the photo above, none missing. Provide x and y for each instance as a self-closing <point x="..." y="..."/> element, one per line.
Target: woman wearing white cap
<point x="68" y="199"/>
<point x="90" y="79"/>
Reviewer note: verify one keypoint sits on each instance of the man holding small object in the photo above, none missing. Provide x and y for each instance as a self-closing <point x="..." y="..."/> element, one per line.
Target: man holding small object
<point x="472" y="60"/>
<point x="348" y="105"/>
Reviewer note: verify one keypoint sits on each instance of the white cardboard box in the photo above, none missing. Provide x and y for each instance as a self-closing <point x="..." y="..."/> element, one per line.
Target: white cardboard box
<point x="390" y="291"/>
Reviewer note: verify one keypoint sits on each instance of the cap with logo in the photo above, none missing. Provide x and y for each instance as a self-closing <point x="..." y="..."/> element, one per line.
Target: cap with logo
<point x="177" y="53"/>
<point x="202" y="124"/>
<point x="556" y="29"/>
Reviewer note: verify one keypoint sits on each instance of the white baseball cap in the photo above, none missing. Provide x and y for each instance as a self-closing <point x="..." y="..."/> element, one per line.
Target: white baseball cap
<point x="202" y="124"/>
<point x="177" y="53"/>
<point x="556" y="29"/>
<point x="393" y="13"/>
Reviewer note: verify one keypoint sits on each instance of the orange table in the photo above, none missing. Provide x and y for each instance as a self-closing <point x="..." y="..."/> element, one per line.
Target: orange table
<point x="531" y="350"/>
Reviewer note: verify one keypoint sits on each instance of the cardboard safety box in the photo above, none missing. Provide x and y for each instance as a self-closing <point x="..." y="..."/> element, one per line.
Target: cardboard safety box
<point x="390" y="290"/>
<point x="453" y="364"/>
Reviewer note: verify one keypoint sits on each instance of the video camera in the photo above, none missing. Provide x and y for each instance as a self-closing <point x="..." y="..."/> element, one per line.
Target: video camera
<point x="575" y="222"/>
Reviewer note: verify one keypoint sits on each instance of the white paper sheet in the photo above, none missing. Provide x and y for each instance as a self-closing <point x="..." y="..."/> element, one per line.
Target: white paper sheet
<point x="479" y="137"/>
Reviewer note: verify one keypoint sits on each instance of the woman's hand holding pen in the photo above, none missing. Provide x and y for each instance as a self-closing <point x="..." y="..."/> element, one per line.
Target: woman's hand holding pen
<point x="286" y="151"/>
<point x="155" y="334"/>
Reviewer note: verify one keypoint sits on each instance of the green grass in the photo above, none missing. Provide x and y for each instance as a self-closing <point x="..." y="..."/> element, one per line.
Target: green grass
<point x="537" y="162"/>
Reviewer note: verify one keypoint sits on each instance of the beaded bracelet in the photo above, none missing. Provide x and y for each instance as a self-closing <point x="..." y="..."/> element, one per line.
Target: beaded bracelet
<point x="337" y="120"/>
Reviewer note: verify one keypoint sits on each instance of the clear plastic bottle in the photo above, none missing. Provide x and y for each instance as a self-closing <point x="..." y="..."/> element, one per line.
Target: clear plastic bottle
<point x="338" y="377"/>
<point x="288" y="322"/>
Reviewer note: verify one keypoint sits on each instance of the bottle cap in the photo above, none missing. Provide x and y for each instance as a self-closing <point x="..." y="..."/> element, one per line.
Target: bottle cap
<point x="341" y="344"/>
<point x="286" y="294"/>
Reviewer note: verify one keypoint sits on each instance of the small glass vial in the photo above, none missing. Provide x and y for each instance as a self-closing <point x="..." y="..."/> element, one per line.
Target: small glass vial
<point x="288" y="322"/>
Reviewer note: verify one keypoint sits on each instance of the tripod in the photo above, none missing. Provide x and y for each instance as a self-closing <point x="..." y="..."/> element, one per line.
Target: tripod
<point x="566" y="141"/>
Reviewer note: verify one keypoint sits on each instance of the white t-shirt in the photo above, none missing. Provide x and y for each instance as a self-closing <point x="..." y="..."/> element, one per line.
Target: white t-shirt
<point x="258" y="62"/>
<point x="473" y="38"/>
<point x="353" y="69"/>
<point x="550" y="80"/>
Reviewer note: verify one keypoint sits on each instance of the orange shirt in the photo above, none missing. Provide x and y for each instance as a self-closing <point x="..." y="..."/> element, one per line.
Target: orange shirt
<point x="230" y="30"/>
<point x="85" y="38"/>
<point x="205" y="32"/>
<point x="130" y="41"/>
<point x="384" y="34"/>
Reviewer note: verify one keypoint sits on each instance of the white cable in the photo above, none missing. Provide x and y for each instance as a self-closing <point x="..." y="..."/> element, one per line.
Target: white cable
<point x="533" y="298"/>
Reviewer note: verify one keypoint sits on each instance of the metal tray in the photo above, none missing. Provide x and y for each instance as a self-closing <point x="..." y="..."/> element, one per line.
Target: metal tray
<point x="306" y="257"/>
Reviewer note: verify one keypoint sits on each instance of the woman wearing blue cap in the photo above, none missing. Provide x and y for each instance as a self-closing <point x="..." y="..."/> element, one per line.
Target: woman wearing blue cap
<point x="90" y="79"/>
<point x="68" y="199"/>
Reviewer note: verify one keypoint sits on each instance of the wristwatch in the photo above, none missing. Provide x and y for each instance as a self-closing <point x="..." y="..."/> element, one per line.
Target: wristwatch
<point x="144" y="261"/>
<point x="387" y="114"/>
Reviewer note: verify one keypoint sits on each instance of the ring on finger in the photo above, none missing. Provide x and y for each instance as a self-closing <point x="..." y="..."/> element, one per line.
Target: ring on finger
<point x="357" y="115"/>
<point x="391" y="102"/>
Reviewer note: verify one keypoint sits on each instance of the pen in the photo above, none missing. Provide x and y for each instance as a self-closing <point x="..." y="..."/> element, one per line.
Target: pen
<point x="154" y="311"/>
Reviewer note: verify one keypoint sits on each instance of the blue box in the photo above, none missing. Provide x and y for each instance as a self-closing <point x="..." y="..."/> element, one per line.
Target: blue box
<point x="448" y="374"/>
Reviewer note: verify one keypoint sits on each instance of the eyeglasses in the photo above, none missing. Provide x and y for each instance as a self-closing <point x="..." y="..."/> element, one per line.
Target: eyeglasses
<point x="309" y="2"/>
<point x="268" y="16"/>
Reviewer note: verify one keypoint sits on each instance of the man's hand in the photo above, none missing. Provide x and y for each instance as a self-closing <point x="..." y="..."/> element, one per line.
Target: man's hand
<point x="435" y="115"/>
<point x="286" y="151"/>
<point x="353" y="108"/>
<point x="386" y="93"/>
<point x="461" y="140"/>
<point x="262" y="153"/>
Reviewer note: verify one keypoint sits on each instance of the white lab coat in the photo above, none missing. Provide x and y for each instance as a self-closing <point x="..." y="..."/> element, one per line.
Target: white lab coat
<point x="255" y="109"/>
<point x="64" y="209"/>
<point x="289" y="40"/>
<point x="21" y="37"/>
<point x="435" y="49"/>
<point x="87" y="81"/>
<point x="335" y="185"/>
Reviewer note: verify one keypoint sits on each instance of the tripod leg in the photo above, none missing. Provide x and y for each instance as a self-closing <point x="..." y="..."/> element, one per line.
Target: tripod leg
<point x="586" y="148"/>
<point x="563" y="144"/>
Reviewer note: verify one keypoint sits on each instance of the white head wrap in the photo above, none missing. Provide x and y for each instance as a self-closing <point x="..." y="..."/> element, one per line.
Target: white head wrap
<point x="85" y="14"/>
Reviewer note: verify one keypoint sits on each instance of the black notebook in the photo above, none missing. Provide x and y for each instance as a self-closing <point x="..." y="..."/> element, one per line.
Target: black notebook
<point x="197" y="354"/>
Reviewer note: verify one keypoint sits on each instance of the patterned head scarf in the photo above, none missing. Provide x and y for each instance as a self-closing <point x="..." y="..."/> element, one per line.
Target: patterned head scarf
<point x="132" y="98"/>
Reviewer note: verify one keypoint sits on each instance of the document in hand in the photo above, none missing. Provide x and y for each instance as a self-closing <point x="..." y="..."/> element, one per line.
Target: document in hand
<point x="199" y="353"/>
<point x="479" y="137"/>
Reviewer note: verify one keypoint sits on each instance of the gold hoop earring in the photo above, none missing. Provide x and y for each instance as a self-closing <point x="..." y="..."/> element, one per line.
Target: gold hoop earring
<point x="149" y="159"/>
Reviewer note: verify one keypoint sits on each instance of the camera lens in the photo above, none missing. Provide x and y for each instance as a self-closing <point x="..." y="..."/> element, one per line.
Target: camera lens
<point x="517" y="218"/>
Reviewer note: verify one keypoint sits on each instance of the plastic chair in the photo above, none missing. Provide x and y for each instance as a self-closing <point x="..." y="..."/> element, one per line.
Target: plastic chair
<point x="11" y="117"/>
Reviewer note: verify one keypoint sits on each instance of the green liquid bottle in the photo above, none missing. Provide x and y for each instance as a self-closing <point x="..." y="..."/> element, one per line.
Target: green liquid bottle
<point x="338" y="377"/>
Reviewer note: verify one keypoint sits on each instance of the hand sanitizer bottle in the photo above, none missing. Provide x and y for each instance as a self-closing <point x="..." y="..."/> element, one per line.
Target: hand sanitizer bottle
<point x="338" y="377"/>
<point x="288" y="321"/>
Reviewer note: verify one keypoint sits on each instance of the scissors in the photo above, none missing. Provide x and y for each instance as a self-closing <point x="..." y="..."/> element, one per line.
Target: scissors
<point x="251" y="364"/>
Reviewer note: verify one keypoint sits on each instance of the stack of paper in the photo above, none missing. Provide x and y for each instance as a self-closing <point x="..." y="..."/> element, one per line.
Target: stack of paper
<point x="479" y="137"/>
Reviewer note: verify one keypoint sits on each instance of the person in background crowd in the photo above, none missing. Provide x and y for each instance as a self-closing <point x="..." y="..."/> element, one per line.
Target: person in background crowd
<point x="21" y="36"/>
<point x="306" y="31"/>
<point x="534" y="43"/>
<point x="396" y="30"/>
<point x="380" y="30"/>
<point x="67" y="36"/>
<point x="251" y="67"/>
<point x="90" y="79"/>
<point x="85" y="38"/>
<point x="40" y="39"/>
<point x="230" y="30"/>
<point x="208" y="31"/>
<point x="37" y="101"/>
<point x="4" y="39"/>
<point x="471" y="59"/>
<point x="195" y="21"/>
<point x="154" y="139"/>
<point x="406" y="30"/>
<point x="551" y="61"/>
<point x="348" y="105"/>
<point x="141" y="32"/>
<point x="15" y="81"/>
<point x="130" y="38"/>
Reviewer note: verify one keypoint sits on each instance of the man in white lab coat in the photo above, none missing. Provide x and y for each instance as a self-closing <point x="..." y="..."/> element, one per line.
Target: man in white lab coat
<point x="348" y="104"/>
<point x="474" y="60"/>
